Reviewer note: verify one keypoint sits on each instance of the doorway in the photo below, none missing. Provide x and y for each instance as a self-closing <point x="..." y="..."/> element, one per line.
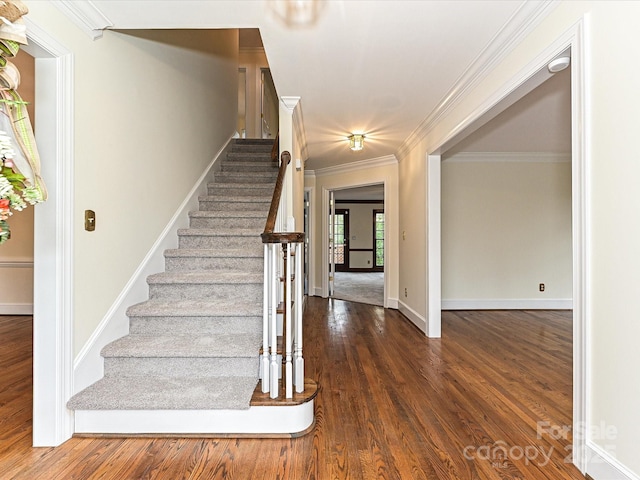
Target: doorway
<point x="528" y="79"/>
<point x="356" y="249"/>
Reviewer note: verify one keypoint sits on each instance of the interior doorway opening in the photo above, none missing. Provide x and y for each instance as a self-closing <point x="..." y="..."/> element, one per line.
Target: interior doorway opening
<point x="356" y="249"/>
<point x="528" y="79"/>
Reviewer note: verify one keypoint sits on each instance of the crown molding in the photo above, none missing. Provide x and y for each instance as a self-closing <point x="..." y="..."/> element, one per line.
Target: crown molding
<point x="85" y="15"/>
<point x="509" y="157"/>
<point x="290" y="102"/>
<point x="355" y="166"/>
<point x="521" y="23"/>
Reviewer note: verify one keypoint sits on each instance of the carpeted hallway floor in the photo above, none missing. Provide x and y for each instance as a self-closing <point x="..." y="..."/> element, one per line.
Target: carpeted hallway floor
<point x="363" y="287"/>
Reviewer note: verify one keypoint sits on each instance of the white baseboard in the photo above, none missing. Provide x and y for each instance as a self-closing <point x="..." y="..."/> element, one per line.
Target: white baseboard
<point x="16" y="308"/>
<point x="601" y="465"/>
<point x="260" y="420"/>
<point x="317" y="292"/>
<point x="415" y="318"/>
<point x="88" y="366"/>
<point x="392" y="303"/>
<point x="508" y="304"/>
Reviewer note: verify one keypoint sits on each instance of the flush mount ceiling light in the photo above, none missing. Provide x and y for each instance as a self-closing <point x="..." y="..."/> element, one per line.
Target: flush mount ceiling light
<point x="356" y="142"/>
<point x="558" y="64"/>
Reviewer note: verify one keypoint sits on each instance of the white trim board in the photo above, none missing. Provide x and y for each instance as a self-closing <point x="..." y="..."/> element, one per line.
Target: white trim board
<point x="53" y="240"/>
<point x="263" y="420"/>
<point x="89" y="364"/>
<point x="508" y="304"/>
<point x="413" y="316"/>
<point x="16" y="308"/>
<point x="16" y="263"/>
<point x="601" y="465"/>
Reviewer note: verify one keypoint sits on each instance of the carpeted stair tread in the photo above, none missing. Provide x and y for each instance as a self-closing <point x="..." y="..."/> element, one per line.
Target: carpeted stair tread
<point x="228" y="345"/>
<point x="166" y="393"/>
<point x="228" y="214"/>
<point x="250" y="153"/>
<point x="219" y="232"/>
<point x="160" y="308"/>
<point x="235" y="198"/>
<point x="249" y="186"/>
<point x="213" y="253"/>
<point x="203" y="277"/>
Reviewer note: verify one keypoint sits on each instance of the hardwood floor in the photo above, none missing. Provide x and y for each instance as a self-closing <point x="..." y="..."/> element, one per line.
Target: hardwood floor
<point x="485" y="402"/>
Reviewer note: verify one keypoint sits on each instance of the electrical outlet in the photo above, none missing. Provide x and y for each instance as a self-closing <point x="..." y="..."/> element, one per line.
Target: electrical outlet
<point x="405" y="292"/>
<point x="541" y="287"/>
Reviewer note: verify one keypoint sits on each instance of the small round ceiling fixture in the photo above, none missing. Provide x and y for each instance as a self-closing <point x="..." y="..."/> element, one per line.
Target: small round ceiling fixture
<point x="558" y="64"/>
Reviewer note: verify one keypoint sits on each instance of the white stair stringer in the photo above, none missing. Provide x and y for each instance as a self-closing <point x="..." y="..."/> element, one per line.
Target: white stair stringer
<point x="259" y="420"/>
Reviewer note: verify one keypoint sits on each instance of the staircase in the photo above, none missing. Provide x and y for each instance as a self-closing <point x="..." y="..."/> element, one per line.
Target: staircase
<point x="190" y="363"/>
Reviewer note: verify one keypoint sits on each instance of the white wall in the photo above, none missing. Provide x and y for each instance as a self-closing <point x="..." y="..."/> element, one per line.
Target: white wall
<point x="613" y="231"/>
<point x="506" y="228"/>
<point x="151" y="110"/>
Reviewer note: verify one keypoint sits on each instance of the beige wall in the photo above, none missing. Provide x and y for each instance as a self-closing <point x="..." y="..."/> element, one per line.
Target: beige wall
<point x="412" y="234"/>
<point x="16" y="255"/>
<point x="506" y="228"/>
<point x="613" y="109"/>
<point x="152" y="108"/>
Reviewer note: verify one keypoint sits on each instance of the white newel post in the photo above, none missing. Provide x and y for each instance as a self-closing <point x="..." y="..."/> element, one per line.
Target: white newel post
<point x="264" y="361"/>
<point x="298" y="359"/>
<point x="273" y="282"/>
<point x="287" y="340"/>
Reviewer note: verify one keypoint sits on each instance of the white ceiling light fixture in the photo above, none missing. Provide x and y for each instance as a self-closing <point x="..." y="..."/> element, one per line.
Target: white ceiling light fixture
<point x="297" y="13"/>
<point x="558" y="64"/>
<point x="356" y="142"/>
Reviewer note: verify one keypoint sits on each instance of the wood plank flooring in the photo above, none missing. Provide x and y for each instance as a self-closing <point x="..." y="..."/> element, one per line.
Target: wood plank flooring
<point x="392" y="405"/>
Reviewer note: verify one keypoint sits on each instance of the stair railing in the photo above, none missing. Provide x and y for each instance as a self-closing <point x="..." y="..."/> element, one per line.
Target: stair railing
<point x="276" y="148"/>
<point x="282" y="302"/>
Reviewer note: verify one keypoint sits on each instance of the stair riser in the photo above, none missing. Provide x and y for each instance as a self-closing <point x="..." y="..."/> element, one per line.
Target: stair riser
<point x="249" y="167"/>
<point x="265" y="149"/>
<point x="217" y="206"/>
<point x="219" y="292"/>
<point x="258" y="155"/>
<point x="196" y="367"/>
<point x="236" y="264"/>
<point x="235" y="177"/>
<point x="188" y="325"/>
<point x="250" y="243"/>
<point x="258" y="191"/>
<point x="227" y="222"/>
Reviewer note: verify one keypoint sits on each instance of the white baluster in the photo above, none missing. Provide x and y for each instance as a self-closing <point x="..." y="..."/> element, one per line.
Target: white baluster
<point x="298" y="358"/>
<point x="264" y="365"/>
<point x="273" y="377"/>
<point x="287" y="340"/>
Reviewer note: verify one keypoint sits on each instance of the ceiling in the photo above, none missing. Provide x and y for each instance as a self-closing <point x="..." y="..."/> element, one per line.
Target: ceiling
<point x="538" y="122"/>
<point x="376" y="67"/>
